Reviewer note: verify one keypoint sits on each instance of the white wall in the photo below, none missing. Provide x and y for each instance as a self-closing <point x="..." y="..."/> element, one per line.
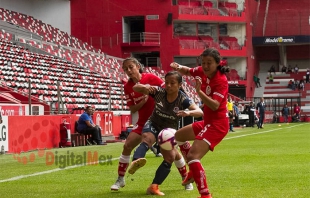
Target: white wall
<point x="238" y="31"/>
<point x="53" y="12"/>
<point x="238" y="64"/>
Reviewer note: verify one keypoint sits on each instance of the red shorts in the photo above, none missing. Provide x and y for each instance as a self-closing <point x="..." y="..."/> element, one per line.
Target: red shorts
<point x="213" y="133"/>
<point x="137" y="129"/>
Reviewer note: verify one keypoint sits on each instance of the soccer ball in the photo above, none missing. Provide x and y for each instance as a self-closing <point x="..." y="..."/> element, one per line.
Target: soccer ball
<point x="166" y="139"/>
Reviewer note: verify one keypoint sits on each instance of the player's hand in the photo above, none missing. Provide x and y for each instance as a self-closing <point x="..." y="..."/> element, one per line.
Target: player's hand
<point x="174" y="65"/>
<point x="198" y="83"/>
<point x="183" y="113"/>
<point x="152" y="90"/>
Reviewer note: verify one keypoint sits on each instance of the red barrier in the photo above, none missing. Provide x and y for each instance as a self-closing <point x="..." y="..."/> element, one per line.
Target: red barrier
<point x="33" y="132"/>
<point x="126" y="121"/>
<point x="104" y="120"/>
<point x="117" y="126"/>
<point x="24" y="133"/>
<point x="268" y="116"/>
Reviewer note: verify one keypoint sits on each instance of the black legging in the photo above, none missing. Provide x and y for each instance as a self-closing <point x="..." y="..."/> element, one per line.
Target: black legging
<point x="95" y="133"/>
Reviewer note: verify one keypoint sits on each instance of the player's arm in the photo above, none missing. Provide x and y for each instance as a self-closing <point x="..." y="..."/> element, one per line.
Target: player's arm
<point x="134" y="107"/>
<point x="89" y="124"/>
<point x="210" y="102"/>
<point x="183" y="70"/>
<point x="137" y="107"/>
<point x="194" y="111"/>
<point x="145" y="89"/>
<point x="213" y="104"/>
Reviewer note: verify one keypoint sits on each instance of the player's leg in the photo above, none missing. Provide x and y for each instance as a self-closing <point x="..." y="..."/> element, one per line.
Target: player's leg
<point x="197" y="173"/>
<point x="148" y="139"/>
<point x="183" y="135"/>
<point x="181" y="166"/>
<point x="207" y="139"/>
<point x="162" y="172"/>
<point x="133" y="139"/>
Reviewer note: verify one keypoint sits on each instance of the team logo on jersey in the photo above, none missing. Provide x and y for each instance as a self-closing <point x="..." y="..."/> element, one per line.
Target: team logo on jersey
<point x="160" y="104"/>
<point x="208" y="81"/>
<point x="208" y="90"/>
<point x="176" y="109"/>
<point x="132" y="93"/>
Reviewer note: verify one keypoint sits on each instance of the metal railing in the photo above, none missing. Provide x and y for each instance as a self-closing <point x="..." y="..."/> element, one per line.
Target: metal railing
<point x="141" y="37"/>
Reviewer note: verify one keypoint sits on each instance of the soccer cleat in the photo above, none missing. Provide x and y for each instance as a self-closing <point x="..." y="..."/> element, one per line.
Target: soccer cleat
<point x="154" y="150"/>
<point x="120" y="183"/>
<point x="159" y="155"/>
<point x="188" y="179"/>
<point x="135" y="165"/>
<point x="188" y="186"/>
<point x="154" y="190"/>
<point x="205" y="196"/>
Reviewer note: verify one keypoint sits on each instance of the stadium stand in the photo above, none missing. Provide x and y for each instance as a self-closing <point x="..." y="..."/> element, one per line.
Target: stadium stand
<point x="85" y="75"/>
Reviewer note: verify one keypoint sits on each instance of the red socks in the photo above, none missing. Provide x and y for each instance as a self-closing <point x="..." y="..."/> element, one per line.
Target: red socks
<point x="199" y="176"/>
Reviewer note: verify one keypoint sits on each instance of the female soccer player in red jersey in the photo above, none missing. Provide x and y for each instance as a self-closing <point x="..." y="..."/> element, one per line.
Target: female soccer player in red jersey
<point x="212" y="88"/>
<point x="137" y="102"/>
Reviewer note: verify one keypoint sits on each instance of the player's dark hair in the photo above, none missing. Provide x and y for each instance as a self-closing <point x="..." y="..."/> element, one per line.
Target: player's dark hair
<point x="177" y="74"/>
<point x="135" y="61"/>
<point x="178" y="77"/>
<point x="217" y="57"/>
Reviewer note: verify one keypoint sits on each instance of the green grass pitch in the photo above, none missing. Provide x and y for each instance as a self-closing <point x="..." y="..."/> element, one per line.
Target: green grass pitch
<point x="273" y="162"/>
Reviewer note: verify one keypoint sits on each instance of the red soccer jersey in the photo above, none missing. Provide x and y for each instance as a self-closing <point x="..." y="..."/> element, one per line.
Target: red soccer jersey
<point x="217" y="89"/>
<point x="134" y="98"/>
<point x="297" y="109"/>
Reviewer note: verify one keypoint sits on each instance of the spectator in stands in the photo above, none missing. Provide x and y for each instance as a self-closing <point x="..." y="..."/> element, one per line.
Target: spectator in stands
<point x="261" y="106"/>
<point x="283" y="69"/>
<point x="86" y="126"/>
<point x="289" y="69"/>
<point x="257" y="81"/>
<point x="307" y="76"/>
<point x="296" y="84"/>
<point x="272" y="69"/>
<point x="231" y="113"/>
<point x="285" y="113"/>
<point x="290" y="84"/>
<point x="293" y="86"/>
<point x="139" y="103"/>
<point x="301" y="85"/>
<point x="237" y="112"/>
<point x="271" y="78"/>
<point x="296" y="114"/>
<point x="296" y="69"/>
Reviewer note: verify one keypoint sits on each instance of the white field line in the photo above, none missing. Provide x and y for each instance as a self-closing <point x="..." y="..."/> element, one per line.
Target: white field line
<point x="239" y="136"/>
<point x="113" y="159"/>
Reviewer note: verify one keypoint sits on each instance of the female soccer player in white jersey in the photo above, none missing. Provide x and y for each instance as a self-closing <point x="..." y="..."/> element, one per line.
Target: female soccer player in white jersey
<point x="212" y="88"/>
<point x="171" y="103"/>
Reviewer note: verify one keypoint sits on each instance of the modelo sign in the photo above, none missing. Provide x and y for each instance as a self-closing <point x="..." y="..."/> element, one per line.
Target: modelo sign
<point x="269" y="40"/>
